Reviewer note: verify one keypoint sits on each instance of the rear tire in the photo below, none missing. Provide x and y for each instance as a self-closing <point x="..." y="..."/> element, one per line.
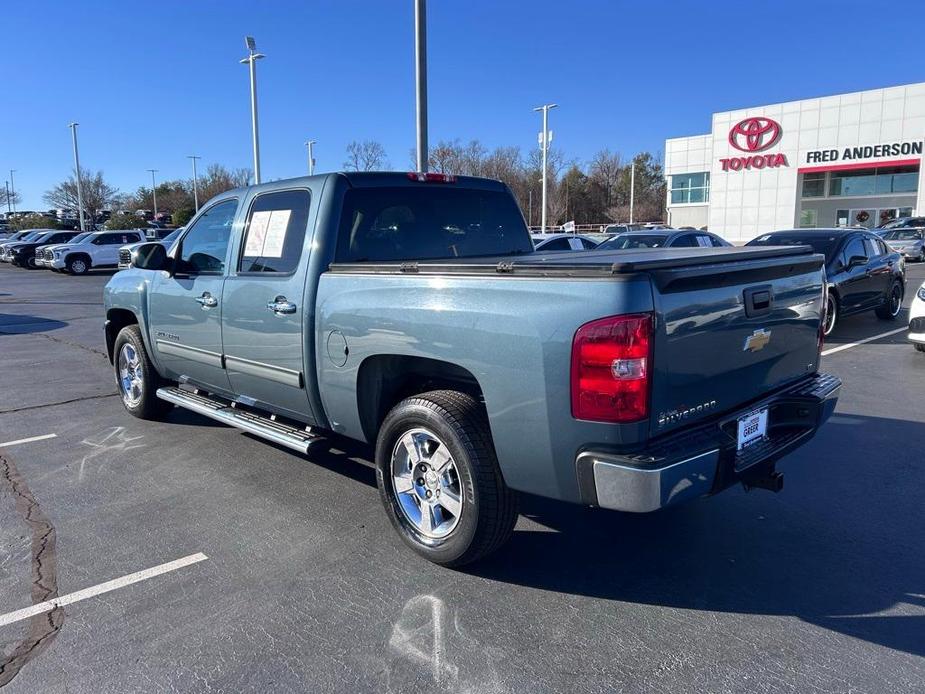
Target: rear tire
<point x="136" y="378"/>
<point x="894" y="303"/>
<point x="918" y="347"/>
<point x="422" y="435"/>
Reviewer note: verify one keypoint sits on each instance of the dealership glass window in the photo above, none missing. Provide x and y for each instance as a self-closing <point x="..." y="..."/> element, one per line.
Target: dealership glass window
<point x="808" y="218"/>
<point x="690" y="188"/>
<point x="814" y="185"/>
<point x="882" y="181"/>
<point x="841" y="218"/>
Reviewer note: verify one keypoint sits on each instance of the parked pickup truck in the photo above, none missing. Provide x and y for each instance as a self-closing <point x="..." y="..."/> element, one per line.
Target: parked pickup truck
<point x="412" y="313"/>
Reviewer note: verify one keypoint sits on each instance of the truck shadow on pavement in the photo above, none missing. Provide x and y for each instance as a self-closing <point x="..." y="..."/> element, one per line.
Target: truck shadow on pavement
<point x="20" y="324"/>
<point x="840" y="547"/>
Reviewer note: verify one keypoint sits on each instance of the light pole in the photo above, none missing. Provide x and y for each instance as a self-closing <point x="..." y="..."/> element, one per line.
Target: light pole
<point x="8" y="210"/>
<point x="632" y="188"/>
<point x="311" y="156"/>
<point x="13" y="189"/>
<point x="193" y="157"/>
<point x="545" y="138"/>
<point x="80" y="195"/>
<point x="154" y="191"/>
<point x="420" y="80"/>
<point x="252" y="57"/>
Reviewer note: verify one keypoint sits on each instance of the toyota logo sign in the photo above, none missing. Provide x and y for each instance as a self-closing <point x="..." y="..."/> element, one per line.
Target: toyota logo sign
<point x="754" y="134"/>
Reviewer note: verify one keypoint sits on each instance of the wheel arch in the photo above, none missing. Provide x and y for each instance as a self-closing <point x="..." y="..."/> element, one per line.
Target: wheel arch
<point x="384" y="380"/>
<point x="116" y="319"/>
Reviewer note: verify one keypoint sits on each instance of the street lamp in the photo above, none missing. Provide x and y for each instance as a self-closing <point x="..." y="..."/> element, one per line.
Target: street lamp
<point x="311" y="156"/>
<point x="193" y="157"/>
<point x="13" y="188"/>
<point x="420" y="81"/>
<point x="8" y="210"/>
<point x="252" y="57"/>
<point x="80" y="198"/>
<point x="154" y="191"/>
<point x="545" y="139"/>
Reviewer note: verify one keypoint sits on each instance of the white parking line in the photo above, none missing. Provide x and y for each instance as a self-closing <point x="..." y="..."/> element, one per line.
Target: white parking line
<point x="106" y="587"/>
<point x="827" y="352"/>
<point x="29" y="440"/>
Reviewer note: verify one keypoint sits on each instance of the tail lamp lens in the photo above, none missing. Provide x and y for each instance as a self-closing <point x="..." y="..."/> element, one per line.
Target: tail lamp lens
<point x="611" y="362"/>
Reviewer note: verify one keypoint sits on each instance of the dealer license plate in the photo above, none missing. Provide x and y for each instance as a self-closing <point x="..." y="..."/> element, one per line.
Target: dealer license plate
<point x="753" y="427"/>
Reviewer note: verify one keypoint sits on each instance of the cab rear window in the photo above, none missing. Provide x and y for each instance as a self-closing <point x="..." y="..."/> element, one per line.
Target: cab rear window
<point x="429" y="223"/>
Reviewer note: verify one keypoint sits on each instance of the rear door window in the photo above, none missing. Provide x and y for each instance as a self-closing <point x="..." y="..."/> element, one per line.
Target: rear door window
<point x="430" y="221"/>
<point x="872" y="247"/>
<point x="275" y="232"/>
<point x="556" y="245"/>
<point x="684" y="241"/>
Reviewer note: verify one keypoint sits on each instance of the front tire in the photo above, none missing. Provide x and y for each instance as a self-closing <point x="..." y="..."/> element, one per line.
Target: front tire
<point x="894" y="303"/>
<point x="439" y="478"/>
<point x="918" y="346"/>
<point x="77" y="266"/>
<point x="136" y="377"/>
<point x="831" y="314"/>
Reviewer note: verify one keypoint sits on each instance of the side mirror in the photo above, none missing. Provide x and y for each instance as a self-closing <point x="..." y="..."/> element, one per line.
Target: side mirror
<point x="856" y="260"/>
<point x="151" y="256"/>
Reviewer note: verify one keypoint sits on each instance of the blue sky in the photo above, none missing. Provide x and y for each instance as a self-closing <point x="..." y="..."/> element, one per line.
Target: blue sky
<point x="151" y="82"/>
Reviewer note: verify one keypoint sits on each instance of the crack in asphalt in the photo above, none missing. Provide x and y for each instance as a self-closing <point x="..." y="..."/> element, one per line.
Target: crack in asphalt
<point x="44" y="627"/>
<point x="59" y="340"/>
<point x="60" y="402"/>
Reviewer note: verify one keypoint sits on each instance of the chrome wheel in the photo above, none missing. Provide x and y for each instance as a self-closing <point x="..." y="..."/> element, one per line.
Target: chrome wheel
<point x="425" y="482"/>
<point x="131" y="376"/>
<point x="831" y="315"/>
<point x="78" y="267"/>
<point x="896" y="300"/>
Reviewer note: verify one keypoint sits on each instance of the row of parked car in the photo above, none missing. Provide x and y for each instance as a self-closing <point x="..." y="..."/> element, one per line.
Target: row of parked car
<point x="76" y="252"/>
<point x="865" y="270"/>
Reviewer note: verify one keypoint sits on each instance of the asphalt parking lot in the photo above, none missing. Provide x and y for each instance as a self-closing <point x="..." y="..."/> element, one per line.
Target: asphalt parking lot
<point x="277" y="573"/>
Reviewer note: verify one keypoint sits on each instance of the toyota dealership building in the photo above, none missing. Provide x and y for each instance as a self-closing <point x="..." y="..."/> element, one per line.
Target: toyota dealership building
<point x="851" y="159"/>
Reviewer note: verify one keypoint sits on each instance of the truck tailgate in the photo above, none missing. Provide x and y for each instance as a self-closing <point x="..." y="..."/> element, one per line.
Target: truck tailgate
<point x="728" y="333"/>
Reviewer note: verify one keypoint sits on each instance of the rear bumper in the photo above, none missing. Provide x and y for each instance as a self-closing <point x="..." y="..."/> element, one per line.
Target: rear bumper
<point x="704" y="459"/>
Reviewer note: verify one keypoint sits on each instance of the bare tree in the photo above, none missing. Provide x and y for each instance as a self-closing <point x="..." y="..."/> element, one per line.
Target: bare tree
<point x="368" y="155"/>
<point x="6" y="201"/>
<point x="97" y="194"/>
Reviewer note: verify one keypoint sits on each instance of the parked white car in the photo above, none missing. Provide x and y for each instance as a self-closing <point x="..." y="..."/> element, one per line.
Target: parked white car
<point x="125" y="253"/>
<point x="917" y="320"/>
<point x="96" y="250"/>
<point x="41" y="251"/>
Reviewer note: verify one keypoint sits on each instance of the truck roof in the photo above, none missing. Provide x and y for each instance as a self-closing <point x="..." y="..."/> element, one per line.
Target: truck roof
<point x="375" y="179"/>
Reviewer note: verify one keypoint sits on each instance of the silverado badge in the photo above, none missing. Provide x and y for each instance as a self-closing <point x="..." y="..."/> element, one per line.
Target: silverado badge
<point x="758" y="340"/>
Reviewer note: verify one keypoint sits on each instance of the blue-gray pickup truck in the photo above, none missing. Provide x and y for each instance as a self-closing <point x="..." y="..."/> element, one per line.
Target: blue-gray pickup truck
<point x="410" y="311"/>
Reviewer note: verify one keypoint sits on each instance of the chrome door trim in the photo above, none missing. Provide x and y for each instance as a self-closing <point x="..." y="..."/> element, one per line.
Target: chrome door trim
<point x="270" y="372"/>
<point x="202" y="356"/>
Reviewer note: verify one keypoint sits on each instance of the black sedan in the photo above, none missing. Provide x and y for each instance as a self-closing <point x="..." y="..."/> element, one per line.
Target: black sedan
<point x="863" y="272"/>
<point x="663" y="238"/>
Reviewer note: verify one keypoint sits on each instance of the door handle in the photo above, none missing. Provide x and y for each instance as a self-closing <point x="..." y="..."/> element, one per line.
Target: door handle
<point x="281" y="305"/>
<point x="207" y="300"/>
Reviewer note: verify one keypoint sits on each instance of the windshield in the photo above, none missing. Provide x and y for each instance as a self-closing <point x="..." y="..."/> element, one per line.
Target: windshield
<point x="634" y="241"/>
<point x="171" y="237"/>
<point x="32" y="235"/>
<point x="821" y="243"/>
<point x="79" y="237"/>
<point x="903" y="235"/>
<point x="895" y="223"/>
<point x="429" y="222"/>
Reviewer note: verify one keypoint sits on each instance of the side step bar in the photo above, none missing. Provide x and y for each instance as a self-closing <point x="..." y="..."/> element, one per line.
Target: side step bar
<point x="263" y="426"/>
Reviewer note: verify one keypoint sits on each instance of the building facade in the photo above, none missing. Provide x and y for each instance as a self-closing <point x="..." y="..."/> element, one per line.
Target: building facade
<point x="850" y="159"/>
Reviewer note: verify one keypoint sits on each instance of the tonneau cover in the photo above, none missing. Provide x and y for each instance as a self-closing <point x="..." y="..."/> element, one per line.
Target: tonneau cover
<point x="581" y="263"/>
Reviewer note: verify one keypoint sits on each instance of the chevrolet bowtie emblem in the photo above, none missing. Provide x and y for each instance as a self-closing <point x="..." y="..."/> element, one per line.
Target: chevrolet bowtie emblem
<point x="757" y="340"/>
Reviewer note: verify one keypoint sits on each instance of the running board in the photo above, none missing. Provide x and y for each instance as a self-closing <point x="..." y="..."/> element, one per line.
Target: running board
<point x="263" y="426"/>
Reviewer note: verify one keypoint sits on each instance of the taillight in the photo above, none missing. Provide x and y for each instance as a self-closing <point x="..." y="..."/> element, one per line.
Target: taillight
<point x="611" y="363"/>
<point x="431" y="177"/>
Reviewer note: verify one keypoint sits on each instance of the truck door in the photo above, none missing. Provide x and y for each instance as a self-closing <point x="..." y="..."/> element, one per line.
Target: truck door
<point x="185" y="308"/>
<point x="264" y="321"/>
